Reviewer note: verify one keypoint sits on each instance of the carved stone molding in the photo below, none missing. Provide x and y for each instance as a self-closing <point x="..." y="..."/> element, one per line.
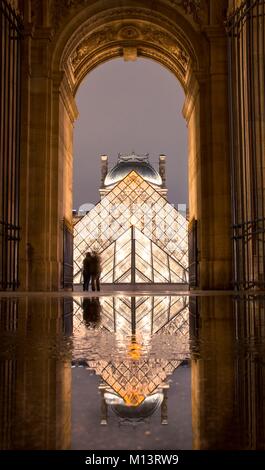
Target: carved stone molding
<point x="191" y="7"/>
<point x="117" y="31"/>
<point x="61" y="8"/>
<point x="128" y="35"/>
<point x="166" y="41"/>
<point x="119" y="14"/>
<point x="129" y="32"/>
<point x="164" y="60"/>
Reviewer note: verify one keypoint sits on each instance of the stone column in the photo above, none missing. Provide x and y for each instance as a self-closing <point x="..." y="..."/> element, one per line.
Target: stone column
<point x="48" y="113"/>
<point x="37" y="396"/>
<point x="38" y="164"/>
<point x="213" y="380"/>
<point x="162" y="169"/>
<point x="206" y="112"/>
<point x="25" y="249"/>
<point x="64" y="114"/>
<point x="103" y="406"/>
<point x="164" y="408"/>
<point x="255" y="61"/>
<point x="104" y="169"/>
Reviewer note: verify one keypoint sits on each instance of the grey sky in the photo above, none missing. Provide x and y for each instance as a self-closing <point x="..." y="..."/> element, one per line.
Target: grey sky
<point x="125" y="106"/>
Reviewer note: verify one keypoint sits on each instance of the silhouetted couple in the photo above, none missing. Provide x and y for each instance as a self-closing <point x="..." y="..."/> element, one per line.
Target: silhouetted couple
<point x="91" y="270"/>
<point x="91" y="311"/>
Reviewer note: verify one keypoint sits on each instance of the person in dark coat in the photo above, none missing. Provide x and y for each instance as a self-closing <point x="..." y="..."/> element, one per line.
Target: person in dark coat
<point x="91" y="312"/>
<point x="95" y="270"/>
<point x="86" y="271"/>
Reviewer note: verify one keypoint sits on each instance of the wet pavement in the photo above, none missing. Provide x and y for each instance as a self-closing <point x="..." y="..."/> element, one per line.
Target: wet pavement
<point x="132" y="371"/>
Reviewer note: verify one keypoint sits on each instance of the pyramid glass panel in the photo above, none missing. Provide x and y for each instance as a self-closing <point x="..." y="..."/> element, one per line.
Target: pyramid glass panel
<point x="134" y="368"/>
<point x="134" y="202"/>
<point x="135" y="258"/>
<point x="151" y="314"/>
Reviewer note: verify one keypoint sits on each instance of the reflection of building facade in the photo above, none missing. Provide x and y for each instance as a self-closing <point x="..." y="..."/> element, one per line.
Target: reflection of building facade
<point x="11" y="33"/>
<point x="249" y="387"/>
<point x="134" y="369"/>
<point x="35" y="385"/>
<point x="227" y="366"/>
<point x="141" y="237"/>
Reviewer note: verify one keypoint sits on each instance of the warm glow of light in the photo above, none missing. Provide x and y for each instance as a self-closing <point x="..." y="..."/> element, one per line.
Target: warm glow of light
<point x="161" y="232"/>
<point x="133" y="220"/>
<point x="133" y="398"/>
<point x="132" y="373"/>
<point x="134" y="350"/>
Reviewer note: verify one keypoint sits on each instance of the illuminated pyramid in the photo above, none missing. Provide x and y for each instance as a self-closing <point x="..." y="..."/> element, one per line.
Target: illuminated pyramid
<point x="134" y="202"/>
<point x="134" y="258"/>
<point x="127" y="352"/>
<point x="132" y="380"/>
<point x="166" y="314"/>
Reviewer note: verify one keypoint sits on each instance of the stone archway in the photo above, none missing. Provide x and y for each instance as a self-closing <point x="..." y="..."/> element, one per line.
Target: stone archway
<point x="188" y="38"/>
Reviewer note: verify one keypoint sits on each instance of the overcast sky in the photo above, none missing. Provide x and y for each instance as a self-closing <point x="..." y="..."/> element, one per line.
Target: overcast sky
<point x="125" y="107"/>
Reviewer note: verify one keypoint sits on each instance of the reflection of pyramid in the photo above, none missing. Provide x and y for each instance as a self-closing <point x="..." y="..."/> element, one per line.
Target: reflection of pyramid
<point x="134" y="381"/>
<point x="147" y="329"/>
<point x="169" y="315"/>
<point x="134" y="202"/>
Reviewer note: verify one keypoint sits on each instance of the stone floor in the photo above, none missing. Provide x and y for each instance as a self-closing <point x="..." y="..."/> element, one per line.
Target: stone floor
<point x="152" y="288"/>
<point x="131" y="290"/>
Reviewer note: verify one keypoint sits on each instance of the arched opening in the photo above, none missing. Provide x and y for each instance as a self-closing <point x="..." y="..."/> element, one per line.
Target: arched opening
<point x="126" y="109"/>
<point x="172" y="37"/>
<point x="125" y="106"/>
<point x="136" y="346"/>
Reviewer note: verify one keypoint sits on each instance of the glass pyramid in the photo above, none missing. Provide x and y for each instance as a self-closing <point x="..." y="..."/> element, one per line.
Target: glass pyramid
<point x="134" y="202"/>
<point x="134" y="258"/>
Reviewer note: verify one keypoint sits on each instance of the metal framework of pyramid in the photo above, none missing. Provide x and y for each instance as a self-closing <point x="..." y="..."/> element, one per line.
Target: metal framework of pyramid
<point x="134" y="258"/>
<point x="135" y="368"/>
<point x="162" y="235"/>
<point x="151" y="314"/>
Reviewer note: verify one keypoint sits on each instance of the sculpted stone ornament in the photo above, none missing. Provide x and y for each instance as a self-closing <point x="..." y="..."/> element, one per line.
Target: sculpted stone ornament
<point x="95" y="40"/>
<point x="165" y="40"/>
<point x="191" y="7"/>
<point x="128" y="32"/>
<point x="60" y="8"/>
<point x="133" y="158"/>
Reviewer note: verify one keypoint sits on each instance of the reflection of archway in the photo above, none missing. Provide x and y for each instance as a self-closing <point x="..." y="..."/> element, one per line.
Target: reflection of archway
<point x="87" y="36"/>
